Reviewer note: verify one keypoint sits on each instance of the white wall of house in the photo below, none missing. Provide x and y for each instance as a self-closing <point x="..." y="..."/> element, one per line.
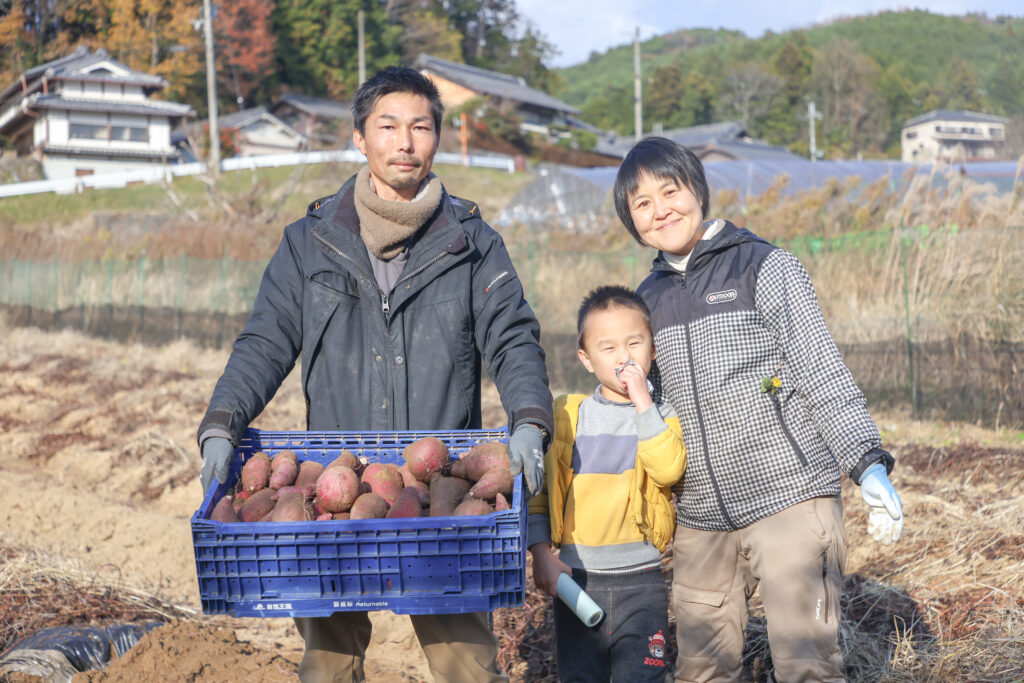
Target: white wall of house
<point x="55" y="166"/>
<point x="952" y="140"/>
<point x="90" y="130"/>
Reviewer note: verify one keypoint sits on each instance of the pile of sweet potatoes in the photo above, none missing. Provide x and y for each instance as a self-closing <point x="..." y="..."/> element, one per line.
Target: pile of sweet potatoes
<point x="429" y="483"/>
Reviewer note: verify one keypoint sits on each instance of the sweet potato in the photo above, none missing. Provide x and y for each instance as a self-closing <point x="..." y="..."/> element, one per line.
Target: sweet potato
<point x="369" y="506"/>
<point x="337" y="489"/>
<point x="324" y="516"/>
<point x="342" y="515"/>
<point x="445" y="494"/>
<point x="258" y="505"/>
<point x="256" y="472"/>
<point x="306" y="491"/>
<point x="224" y="511"/>
<point x="291" y="507"/>
<point x="480" y="459"/>
<point x="493" y="482"/>
<point x="472" y="507"/>
<point x="384" y="479"/>
<point x="240" y="499"/>
<point x="501" y="503"/>
<point x="412" y="482"/>
<point x="348" y="459"/>
<point x="284" y="468"/>
<point x="309" y="472"/>
<point x="406" y="505"/>
<point x="424" y="456"/>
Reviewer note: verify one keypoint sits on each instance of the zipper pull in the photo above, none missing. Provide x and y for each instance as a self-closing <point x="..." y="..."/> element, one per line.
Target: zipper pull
<point x="385" y="305"/>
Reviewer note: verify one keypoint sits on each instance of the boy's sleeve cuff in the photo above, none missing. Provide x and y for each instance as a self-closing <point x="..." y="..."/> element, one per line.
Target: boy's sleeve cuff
<point x="538" y="529"/>
<point x="650" y="423"/>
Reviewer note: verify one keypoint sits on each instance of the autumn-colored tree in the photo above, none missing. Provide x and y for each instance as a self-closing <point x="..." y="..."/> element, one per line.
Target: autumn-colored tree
<point x="12" y="49"/>
<point x="961" y="86"/>
<point x="245" y="43"/>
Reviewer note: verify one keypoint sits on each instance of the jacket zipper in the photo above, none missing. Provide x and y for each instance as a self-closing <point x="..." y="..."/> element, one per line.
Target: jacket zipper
<point x="385" y="305"/>
<point x="703" y="431"/>
<point x="785" y="430"/>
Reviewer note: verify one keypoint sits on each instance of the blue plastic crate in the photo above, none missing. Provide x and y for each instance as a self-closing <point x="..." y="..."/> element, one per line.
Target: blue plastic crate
<point x="419" y="565"/>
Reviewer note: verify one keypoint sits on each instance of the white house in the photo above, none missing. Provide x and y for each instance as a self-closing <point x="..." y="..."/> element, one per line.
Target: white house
<point x="256" y="131"/>
<point x="88" y="113"/>
<point x="948" y="135"/>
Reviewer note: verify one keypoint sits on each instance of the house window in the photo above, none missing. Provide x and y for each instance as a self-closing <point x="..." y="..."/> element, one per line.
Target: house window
<point x="911" y="134"/>
<point x="129" y="134"/>
<point x="87" y="131"/>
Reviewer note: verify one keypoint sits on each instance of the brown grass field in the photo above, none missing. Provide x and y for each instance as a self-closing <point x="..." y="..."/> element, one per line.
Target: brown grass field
<point x="99" y="467"/>
<point x="100" y="477"/>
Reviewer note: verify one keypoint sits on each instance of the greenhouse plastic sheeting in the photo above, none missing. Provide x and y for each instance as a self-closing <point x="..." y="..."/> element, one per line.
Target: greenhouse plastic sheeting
<point x="580" y="193"/>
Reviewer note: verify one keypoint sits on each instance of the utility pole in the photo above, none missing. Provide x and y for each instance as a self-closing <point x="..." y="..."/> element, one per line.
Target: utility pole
<point x="213" y="165"/>
<point x="812" y="117"/>
<point x="362" y="47"/>
<point x="638" y="105"/>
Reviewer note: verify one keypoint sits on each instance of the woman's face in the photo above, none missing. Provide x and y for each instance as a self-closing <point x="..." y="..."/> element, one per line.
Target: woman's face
<point x="667" y="215"/>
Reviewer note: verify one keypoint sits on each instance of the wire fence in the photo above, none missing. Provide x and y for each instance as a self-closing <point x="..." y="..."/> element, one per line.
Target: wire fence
<point x="917" y="323"/>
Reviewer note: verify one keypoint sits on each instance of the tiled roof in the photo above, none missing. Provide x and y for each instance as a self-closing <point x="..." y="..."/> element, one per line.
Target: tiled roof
<point x="74" y="66"/>
<point x="955" y="115"/>
<point x="170" y="153"/>
<point x="147" y="107"/>
<point x="492" y="83"/>
<point x="317" y="106"/>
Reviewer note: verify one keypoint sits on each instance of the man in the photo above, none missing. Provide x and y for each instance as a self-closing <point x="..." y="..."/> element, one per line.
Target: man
<point x="393" y="293"/>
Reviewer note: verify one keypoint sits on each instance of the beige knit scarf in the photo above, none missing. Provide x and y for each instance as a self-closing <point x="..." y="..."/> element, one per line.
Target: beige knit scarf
<point x="385" y="225"/>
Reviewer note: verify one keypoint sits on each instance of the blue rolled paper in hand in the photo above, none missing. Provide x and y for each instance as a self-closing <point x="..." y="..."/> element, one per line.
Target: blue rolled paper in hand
<point x="582" y="605"/>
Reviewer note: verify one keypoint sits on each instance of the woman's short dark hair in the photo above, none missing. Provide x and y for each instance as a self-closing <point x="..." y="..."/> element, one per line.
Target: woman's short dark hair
<point x="393" y="79"/>
<point x="658" y="158"/>
<point x="605" y="297"/>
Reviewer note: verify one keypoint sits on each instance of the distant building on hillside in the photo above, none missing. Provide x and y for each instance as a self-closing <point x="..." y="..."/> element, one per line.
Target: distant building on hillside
<point x="255" y="131"/>
<point x="322" y="121"/>
<point x="87" y="113"/>
<point x="952" y="136"/>
<point x="723" y="141"/>
<point x="459" y="83"/>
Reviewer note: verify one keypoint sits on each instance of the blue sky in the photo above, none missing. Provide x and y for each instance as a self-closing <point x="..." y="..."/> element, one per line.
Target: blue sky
<point x="577" y="27"/>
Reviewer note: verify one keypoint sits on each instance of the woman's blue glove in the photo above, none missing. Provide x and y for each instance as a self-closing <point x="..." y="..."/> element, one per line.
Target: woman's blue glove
<point x="885" y="516"/>
<point x="217" y="452"/>
<point x="526" y="455"/>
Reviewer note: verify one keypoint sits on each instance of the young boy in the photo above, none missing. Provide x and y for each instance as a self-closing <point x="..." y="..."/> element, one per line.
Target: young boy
<point x="772" y="416"/>
<point x="606" y="502"/>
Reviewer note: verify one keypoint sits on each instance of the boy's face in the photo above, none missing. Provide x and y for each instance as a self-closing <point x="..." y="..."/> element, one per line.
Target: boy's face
<point x="667" y="215"/>
<point x="610" y="338"/>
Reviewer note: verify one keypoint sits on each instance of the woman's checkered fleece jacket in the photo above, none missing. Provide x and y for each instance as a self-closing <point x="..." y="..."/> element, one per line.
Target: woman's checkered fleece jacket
<point x="746" y="311"/>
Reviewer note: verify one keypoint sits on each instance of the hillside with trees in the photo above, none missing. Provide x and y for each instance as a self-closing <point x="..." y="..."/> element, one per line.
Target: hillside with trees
<point x="866" y="75"/>
<point x="265" y="47"/>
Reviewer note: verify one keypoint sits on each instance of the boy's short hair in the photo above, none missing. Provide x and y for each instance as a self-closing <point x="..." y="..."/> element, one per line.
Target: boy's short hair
<point x="659" y="158"/>
<point x="605" y="297"/>
<point x="393" y="79"/>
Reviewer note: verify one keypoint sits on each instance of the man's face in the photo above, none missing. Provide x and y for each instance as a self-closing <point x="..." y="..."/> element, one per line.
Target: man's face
<point x="399" y="144"/>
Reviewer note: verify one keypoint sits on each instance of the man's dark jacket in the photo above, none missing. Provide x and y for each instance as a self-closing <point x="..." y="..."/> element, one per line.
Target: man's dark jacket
<point x="409" y="359"/>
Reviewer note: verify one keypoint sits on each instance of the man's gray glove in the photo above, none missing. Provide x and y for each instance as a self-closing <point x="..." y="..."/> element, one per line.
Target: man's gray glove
<point x="217" y="452"/>
<point x="885" y="509"/>
<point x="526" y="455"/>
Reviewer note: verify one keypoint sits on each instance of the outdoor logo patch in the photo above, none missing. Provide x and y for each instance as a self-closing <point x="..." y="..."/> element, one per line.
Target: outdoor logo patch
<point x="721" y="297"/>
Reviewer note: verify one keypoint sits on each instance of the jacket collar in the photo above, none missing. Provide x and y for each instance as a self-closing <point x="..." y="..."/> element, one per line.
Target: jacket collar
<point x="705" y="251"/>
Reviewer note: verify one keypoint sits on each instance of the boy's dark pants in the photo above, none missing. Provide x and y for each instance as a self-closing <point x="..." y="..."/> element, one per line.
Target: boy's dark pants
<point x="797" y="556"/>
<point x="629" y="643"/>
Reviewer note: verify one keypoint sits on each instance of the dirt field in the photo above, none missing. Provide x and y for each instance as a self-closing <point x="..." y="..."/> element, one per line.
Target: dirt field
<point x="99" y="474"/>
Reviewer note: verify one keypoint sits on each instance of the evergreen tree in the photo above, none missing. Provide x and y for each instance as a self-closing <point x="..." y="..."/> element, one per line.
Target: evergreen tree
<point x="318" y="44"/>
